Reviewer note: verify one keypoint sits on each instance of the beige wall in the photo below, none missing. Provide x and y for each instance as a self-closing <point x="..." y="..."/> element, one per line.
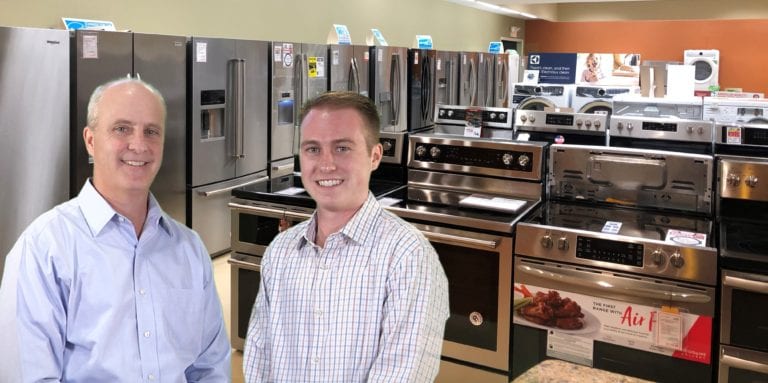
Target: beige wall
<point x="664" y="10"/>
<point x="452" y="27"/>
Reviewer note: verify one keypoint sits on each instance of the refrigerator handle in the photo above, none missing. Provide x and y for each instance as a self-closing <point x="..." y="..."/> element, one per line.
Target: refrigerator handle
<point x="502" y="85"/>
<point x="425" y="91"/>
<point x="472" y="83"/>
<point x="235" y="108"/>
<point x="394" y="86"/>
<point x="449" y="81"/>
<point x="489" y="82"/>
<point x="298" y="89"/>
<point x="353" y="78"/>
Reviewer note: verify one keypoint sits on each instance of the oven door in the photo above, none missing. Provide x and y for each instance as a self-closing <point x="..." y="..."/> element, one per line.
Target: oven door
<point x="479" y="271"/>
<point x="254" y="226"/>
<point x="740" y="325"/>
<point x="245" y="279"/>
<point x="618" y="329"/>
<point x="742" y="366"/>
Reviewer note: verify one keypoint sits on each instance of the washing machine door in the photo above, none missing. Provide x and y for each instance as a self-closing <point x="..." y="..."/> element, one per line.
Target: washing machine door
<point x="758" y="120"/>
<point x="704" y="70"/>
<point x="597" y="106"/>
<point x="536" y="103"/>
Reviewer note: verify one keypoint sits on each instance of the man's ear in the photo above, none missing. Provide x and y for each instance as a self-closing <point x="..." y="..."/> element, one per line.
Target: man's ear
<point x="88" y="137"/>
<point x="376" y="153"/>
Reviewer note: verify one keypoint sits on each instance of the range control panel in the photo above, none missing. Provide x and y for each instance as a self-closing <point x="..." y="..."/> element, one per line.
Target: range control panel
<point x="537" y="120"/>
<point x="469" y="156"/>
<point x="487" y="116"/>
<point x="672" y="129"/>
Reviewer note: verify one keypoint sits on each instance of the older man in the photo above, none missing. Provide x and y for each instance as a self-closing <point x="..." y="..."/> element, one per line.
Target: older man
<point x="109" y="287"/>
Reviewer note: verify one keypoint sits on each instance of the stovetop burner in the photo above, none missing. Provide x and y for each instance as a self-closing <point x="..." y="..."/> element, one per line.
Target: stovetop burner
<point x="289" y="190"/>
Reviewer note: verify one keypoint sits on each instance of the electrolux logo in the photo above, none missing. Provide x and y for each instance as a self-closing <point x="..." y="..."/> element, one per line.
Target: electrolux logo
<point x="534" y="60"/>
<point x="53" y="42"/>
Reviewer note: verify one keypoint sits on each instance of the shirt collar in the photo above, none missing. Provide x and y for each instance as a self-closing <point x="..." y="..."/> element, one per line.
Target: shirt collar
<point x="98" y="212"/>
<point x="357" y="229"/>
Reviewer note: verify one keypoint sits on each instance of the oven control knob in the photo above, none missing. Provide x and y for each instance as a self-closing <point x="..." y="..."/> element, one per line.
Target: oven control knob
<point x="507" y="159"/>
<point x="677" y="260"/>
<point x="629" y="126"/>
<point x="421" y="151"/>
<point x="658" y="257"/>
<point x="450" y="113"/>
<point x="562" y="243"/>
<point x="619" y="125"/>
<point x="689" y="129"/>
<point x="387" y="145"/>
<point x="442" y="113"/>
<point x="579" y="123"/>
<point x="532" y="118"/>
<point x="701" y="130"/>
<point x="523" y="160"/>
<point x="733" y="179"/>
<point x="751" y="181"/>
<point x="493" y="116"/>
<point x="597" y="124"/>
<point x="588" y="124"/>
<point x="434" y="152"/>
<point x="502" y="116"/>
<point x="523" y="118"/>
<point x="546" y="242"/>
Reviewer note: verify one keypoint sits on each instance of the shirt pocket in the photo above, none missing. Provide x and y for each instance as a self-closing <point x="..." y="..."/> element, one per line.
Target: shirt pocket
<point x="182" y="320"/>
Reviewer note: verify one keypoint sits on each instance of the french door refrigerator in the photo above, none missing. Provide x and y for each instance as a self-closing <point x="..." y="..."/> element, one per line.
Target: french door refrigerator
<point x="349" y="68"/>
<point x="421" y="88"/>
<point x="468" y="68"/>
<point x="227" y="136"/>
<point x="446" y="78"/>
<point x="485" y="80"/>
<point x="34" y="127"/>
<point x="160" y="60"/>
<point x="389" y="86"/>
<point x="298" y="72"/>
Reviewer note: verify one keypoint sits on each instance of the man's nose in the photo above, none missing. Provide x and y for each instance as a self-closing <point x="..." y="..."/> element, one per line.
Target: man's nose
<point x="137" y="142"/>
<point x="327" y="161"/>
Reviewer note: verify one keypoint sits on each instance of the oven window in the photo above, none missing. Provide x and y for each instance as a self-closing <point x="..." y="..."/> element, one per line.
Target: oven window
<point x="257" y="229"/>
<point x="247" y="288"/>
<point x="473" y="287"/>
<point x="749" y="328"/>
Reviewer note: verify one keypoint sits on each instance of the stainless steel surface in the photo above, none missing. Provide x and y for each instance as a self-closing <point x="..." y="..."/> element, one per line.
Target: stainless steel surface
<point x="393" y="144"/>
<point x="485" y="80"/>
<point x="389" y="84"/>
<point x="468" y="82"/>
<point x="737" y="280"/>
<point x="561" y="122"/>
<point x="113" y="60"/>
<point x="744" y="178"/>
<point x="446" y="78"/>
<point x="349" y="68"/>
<point x="492" y="117"/>
<point x="662" y="128"/>
<point x="742" y="135"/>
<point x="697" y="263"/>
<point x="742" y="359"/>
<point x="239" y="261"/>
<point x="529" y="152"/>
<point x="694" y="299"/>
<point x="735" y="110"/>
<point x="207" y="191"/>
<point x="680" y="107"/>
<point x="34" y="127"/>
<point x="501" y="81"/>
<point x="421" y="88"/>
<point x="285" y="100"/>
<point x="210" y="215"/>
<point x="235" y="113"/>
<point x="646" y="178"/>
<point x="238" y="206"/>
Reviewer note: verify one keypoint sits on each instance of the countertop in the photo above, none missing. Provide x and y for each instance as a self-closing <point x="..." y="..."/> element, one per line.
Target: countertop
<point x="558" y="371"/>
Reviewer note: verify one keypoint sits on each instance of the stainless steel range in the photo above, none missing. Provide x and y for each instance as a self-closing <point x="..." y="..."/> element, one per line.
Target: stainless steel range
<point x="560" y="127"/>
<point x="618" y="269"/>
<point x="466" y="195"/>
<point x="742" y="207"/>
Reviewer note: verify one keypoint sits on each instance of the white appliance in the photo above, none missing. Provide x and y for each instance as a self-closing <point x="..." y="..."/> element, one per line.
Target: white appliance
<point x="736" y="110"/>
<point x="591" y="99"/>
<point x="540" y="96"/>
<point x="707" y="63"/>
<point x="627" y="104"/>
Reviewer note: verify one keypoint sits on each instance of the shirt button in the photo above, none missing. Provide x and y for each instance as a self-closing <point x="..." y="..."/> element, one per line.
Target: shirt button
<point x="315" y="360"/>
<point x="318" y="312"/>
<point x="151" y="376"/>
<point x="323" y="266"/>
<point x="142" y="291"/>
<point x="146" y="334"/>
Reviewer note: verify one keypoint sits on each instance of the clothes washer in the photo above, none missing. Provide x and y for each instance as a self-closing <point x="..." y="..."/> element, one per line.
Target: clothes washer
<point x="707" y="63"/>
<point x="592" y="99"/>
<point x="540" y="96"/>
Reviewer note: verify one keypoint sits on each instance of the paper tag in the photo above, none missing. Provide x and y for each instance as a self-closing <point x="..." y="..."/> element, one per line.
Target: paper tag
<point x="277" y="52"/>
<point x="379" y="55"/>
<point x="733" y="135"/>
<point x="90" y="46"/>
<point x="389" y="201"/>
<point x="472" y="131"/>
<point x="415" y="57"/>
<point x="611" y="227"/>
<point x="311" y="67"/>
<point x="493" y="203"/>
<point x="687" y="238"/>
<point x="438" y="63"/>
<point x="571" y="348"/>
<point x="320" y="66"/>
<point x="291" y="191"/>
<point x="334" y="58"/>
<point x="287" y="55"/>
<point x="670" y="329"/>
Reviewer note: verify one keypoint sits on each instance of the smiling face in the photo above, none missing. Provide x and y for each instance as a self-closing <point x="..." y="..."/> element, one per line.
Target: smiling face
<point x="336" y="162"/>
<point x="127" y="140"/>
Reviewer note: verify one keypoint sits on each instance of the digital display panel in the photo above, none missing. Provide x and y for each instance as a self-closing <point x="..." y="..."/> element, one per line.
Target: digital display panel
<point x="559" y="119"/>
<point x="606" y="250"/>
<point x="659" y="126"/>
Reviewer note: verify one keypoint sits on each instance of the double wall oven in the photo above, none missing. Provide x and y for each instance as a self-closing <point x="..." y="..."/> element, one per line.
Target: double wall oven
<point x="466" y="196"/>
<point x="618" y="268"/>
<point x="742" y="206"/>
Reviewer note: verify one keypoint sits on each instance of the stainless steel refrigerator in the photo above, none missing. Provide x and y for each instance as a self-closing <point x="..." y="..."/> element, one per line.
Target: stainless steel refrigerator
<point x="349" y="68"/>
<point x="485" y="80"/>
<point x="446" y="78"/>
<point x="34" y="127"/>
<point x="298" y="72"/>
<point x="468" y="68"/>
<point x="160" y="60"/>
<point x="421" y="88"/>
<point x="501" y="76"/>
<point x="389" y="86"/>
<point x="227" y="136"/>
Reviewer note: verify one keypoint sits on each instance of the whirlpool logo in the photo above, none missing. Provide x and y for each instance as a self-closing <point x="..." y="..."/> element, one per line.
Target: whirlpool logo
<point x="534" y="60"/>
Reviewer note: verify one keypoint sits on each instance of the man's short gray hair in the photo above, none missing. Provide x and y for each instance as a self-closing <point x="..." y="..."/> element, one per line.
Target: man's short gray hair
<point x="93" y="102"/>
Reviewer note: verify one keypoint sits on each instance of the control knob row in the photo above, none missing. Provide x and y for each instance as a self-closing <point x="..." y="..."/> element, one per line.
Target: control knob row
<point x="522" y="160"/>
<point x="562" y="243"/>
<point x="421" y="151"/>
<point x="734" y="179"/>
<point x="588" y="123"/>
<point x="620" y="126"/>
<point x="676" y="259"/>
<point x="691" y="129"/>
<point x="524" y="118"/>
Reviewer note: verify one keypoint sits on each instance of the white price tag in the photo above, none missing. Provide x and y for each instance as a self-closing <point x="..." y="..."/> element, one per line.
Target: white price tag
<point x="90" y="46"/>
<point x="571" y="348"/>
<point x="611" y="227"/>
<point x="670" y="330"/>
<point x="472" y="131"/>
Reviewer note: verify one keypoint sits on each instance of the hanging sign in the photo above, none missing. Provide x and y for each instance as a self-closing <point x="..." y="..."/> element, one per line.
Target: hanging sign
<point x="495" y="47"/>
<point x="423" y="42"/>
<point x="99" y="25"/>
<point x="339" y="34"/>
<point x="375" y="37"/>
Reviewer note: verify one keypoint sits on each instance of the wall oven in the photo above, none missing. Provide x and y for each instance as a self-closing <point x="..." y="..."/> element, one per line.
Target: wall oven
<point x="742" y="207"/>
<point x="466" y="196"/>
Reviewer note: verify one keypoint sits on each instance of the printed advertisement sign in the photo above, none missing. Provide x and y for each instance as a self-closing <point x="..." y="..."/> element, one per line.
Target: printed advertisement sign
<point x="554" y="68"/>
<point x="604" y="69"/>
<point x="662" y="330"/>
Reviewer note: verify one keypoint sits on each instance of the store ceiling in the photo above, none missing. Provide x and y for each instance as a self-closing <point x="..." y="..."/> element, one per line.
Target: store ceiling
<point x="524" y="8"/>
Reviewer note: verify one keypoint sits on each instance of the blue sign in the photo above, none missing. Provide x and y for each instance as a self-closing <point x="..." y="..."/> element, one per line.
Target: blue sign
<point x="495" y="47"/>
<point x="342" y="34"/>
<point x="424" y="41"/>
<point x="554" y="68"/>
<point x="74" y="24"/>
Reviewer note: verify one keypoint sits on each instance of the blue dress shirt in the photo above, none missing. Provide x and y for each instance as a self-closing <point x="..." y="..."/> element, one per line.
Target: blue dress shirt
<point x="97" y="304"/>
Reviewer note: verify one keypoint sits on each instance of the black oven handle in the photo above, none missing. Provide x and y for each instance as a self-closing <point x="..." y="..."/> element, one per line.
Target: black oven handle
<point x="245" y="265"/>
<point x="458" y="240"/>
<point x="745" y="284"/>
<point x="736" y="361"/>
<point x="637" y="288"/>
<point x="270" y="212"/>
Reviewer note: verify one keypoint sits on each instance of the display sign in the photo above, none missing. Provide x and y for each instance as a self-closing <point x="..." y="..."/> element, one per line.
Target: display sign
<point x="423" y="42"/>
<point x="339" y="34"/>
<point x="554" y="68"/>
<point x="377" y="38"/>
<point x="604" y="69"/>
<point x="74" y="24"/>
<point x="495" y="47"/>
<point x="661" y="330"/>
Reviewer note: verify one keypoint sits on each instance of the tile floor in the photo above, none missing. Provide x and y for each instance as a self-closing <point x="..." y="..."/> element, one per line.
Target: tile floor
<point x="221" y="274"/>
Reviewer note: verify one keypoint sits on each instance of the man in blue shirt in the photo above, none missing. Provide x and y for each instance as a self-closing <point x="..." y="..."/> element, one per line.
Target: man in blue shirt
<point x="108" y="287"/>
<point x="354" y="294"/>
